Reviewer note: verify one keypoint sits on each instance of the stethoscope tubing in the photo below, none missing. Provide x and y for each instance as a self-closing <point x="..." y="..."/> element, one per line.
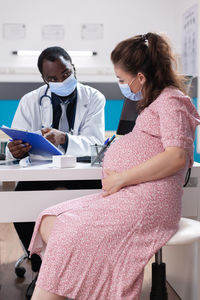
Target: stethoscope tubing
<point x="50" y="99"/>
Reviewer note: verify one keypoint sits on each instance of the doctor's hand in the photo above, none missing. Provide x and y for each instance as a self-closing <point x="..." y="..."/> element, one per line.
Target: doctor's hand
<point x="18" y="148"/>
<point x="55" y="136"/>
<point x="112" y="183"/>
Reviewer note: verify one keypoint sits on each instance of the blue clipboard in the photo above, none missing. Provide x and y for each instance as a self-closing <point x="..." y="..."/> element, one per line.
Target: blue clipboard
<point x="40" y="145"/>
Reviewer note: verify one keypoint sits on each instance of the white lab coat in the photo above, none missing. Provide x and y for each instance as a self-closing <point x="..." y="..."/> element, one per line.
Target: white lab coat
<point x="89" y="119"/>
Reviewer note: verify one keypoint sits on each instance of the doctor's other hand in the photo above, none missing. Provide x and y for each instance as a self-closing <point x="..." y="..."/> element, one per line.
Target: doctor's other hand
<point x="112" y="183"/>
<point x="18" y="148"/>
<point x="55" y="136"/>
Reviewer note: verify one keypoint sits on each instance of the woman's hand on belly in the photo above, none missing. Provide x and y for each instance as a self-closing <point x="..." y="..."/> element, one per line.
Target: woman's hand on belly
<point x="162" y="165"/>
<point x="112" y="183"/>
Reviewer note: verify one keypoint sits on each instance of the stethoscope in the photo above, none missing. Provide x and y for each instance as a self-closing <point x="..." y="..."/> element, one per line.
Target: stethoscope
<point x="45" y="104"/>
<point x="45" y="96"/>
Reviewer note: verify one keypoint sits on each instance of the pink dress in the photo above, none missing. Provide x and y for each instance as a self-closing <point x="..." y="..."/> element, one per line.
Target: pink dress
<point x="99" y="246"/>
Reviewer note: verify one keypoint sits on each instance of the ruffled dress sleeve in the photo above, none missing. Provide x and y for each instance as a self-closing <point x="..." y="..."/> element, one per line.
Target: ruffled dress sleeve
<point x="178" y="121"/>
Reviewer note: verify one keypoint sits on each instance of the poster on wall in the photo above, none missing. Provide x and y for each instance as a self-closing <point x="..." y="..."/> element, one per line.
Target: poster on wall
<point x="190" y="54"/>
<point x="92" y="31"/>
<point x="189" y="41"/>
<point x="14" y="31"/>
<point x="53" y="32"/>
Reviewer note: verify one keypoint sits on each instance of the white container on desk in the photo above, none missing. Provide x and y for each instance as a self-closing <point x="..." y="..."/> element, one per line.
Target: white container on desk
<point x="64" y="161"/>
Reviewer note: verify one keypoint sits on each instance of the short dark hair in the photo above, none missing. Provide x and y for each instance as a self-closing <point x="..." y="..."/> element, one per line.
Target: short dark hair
<point x="52" y="53"/>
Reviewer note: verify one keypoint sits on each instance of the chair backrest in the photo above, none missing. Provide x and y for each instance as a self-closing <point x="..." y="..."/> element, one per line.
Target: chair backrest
<point x="2" y="156"/>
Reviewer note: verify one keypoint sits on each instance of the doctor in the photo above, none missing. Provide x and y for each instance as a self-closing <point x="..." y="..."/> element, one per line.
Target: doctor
<point x="68" y="113"/>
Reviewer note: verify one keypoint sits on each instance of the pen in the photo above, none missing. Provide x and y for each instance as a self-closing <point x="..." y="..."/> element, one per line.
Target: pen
<point x="112" y="138"/>
<point x="106" y="141"/>
<point x="96" y="147"/>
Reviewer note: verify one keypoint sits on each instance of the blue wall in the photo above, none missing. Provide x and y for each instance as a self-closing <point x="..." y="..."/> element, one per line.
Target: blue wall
<point x="196" y="154"/>
<point x="113" y="110"/>
<point x="7" y="111"/>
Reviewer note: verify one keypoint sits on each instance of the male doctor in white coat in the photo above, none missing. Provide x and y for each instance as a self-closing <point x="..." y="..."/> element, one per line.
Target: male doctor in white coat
<point x="67" y="113"/>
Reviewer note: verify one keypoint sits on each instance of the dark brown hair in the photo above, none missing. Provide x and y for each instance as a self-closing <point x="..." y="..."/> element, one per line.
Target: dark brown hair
<point x="151" y="55"/>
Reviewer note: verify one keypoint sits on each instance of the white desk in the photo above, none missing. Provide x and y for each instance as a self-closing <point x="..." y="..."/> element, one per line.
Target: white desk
<point x="13" y="204"/>
<point x="26" y="205"/>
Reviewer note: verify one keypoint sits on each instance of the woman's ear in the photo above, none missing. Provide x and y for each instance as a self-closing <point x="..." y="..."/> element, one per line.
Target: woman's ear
<point x="141" y="78"/>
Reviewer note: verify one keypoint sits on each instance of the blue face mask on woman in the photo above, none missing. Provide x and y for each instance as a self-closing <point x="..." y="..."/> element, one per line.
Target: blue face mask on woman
<point x="64" y="88"/>
<point x="126" y="91"/>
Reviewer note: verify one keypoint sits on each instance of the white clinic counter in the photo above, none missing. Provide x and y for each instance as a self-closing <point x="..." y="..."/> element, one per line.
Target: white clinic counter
<point x="25" y="206"/>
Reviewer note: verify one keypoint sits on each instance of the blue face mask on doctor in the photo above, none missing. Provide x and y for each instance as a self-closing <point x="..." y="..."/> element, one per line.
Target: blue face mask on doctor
<point x="64" y="88"/>
<point x="126" y="91"/>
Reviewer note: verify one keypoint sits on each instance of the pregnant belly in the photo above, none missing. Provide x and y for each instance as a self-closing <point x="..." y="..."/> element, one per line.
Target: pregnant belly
<point x="131" y="150"/>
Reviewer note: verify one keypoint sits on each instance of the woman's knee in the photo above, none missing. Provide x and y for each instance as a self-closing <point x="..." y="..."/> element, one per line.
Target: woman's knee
<point x="46" y="227"/>
<point x="42" y="294"/>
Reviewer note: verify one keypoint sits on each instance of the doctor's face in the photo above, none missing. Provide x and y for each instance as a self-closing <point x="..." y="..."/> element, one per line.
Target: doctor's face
<point x="56" y="71"/>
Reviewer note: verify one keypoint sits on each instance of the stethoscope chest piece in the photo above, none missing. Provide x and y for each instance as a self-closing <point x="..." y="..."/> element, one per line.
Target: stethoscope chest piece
<point x="46" y="111"/>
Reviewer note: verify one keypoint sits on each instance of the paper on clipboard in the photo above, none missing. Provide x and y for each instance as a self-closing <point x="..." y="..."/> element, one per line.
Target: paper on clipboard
<point x="40" y="145"/>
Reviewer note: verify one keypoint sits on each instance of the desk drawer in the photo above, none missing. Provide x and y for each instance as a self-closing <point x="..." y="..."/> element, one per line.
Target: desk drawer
<point x="26" y="206"/>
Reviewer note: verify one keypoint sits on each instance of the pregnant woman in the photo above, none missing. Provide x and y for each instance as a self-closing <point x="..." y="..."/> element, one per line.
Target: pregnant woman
<point x="96" y="247"/>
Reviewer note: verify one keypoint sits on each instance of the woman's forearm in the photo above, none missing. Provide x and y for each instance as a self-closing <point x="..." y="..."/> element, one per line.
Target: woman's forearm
<point x="162" y="165"/>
